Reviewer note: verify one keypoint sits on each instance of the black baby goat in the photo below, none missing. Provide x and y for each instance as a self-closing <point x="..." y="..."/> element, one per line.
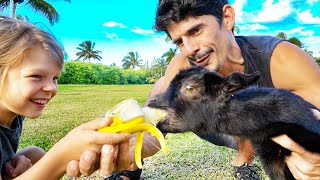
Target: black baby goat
<point x="204" y="102"/>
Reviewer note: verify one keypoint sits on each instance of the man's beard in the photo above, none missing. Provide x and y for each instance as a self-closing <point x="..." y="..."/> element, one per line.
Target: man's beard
<point x="200" y="55"/>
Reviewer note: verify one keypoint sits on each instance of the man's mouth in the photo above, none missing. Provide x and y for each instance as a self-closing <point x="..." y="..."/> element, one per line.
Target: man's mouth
<point x="202" y="59"/>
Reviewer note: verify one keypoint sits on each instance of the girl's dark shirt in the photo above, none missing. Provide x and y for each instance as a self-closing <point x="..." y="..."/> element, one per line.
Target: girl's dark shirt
<point x="10" y="140"/>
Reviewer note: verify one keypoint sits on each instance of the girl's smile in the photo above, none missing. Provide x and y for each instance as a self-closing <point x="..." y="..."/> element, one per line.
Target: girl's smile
<point x="29" y="86"/>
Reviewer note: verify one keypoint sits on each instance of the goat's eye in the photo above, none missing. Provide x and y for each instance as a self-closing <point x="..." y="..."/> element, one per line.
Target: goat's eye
<point x="189" y="88"/>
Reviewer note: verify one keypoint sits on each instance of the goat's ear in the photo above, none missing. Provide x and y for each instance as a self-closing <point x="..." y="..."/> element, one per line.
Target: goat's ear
<point x="212" y="78"/>
<point x="236" y="81"/>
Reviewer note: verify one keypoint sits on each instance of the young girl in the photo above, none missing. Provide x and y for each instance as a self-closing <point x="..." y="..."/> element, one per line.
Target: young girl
<point x="30" y="64"/>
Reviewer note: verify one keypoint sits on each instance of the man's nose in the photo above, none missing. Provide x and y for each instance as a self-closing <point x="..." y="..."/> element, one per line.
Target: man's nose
<point x="191" y="47"/>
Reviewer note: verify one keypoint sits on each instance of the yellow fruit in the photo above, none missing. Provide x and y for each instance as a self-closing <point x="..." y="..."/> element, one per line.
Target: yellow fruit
<point x="138" y="149"/>
<point x="128" y="117"/>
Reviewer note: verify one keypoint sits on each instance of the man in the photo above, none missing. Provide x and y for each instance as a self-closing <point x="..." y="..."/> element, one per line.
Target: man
<point x="203" y="31"/>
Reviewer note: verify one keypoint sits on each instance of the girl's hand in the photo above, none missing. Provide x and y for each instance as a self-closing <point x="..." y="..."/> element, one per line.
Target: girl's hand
<point x="16" y="166"/>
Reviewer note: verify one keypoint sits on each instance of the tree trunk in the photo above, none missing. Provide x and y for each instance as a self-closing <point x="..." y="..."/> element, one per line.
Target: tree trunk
<point x="13" y="9"/>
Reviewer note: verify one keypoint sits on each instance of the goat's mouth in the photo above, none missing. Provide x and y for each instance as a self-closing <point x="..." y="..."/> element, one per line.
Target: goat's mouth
<point x="154" y="115"/>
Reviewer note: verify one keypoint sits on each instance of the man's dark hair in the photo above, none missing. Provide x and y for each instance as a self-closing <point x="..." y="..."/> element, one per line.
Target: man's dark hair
<point x="173" y="11"/>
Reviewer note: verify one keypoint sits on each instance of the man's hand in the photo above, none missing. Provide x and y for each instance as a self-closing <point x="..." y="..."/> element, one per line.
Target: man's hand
<point x="112" y="158"/>
<point x="16" y="166"/>
<point x="302" y="163"/>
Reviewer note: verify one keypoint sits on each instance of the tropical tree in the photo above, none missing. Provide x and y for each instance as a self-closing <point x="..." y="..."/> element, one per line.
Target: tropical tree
<point x="160" y="65"/>
<point x="41" y="6"/>
<point x="131" y="61"/>
<point x="169" y="55"/>
<point x="87" y="52"/>
<point x="292" y="40"/>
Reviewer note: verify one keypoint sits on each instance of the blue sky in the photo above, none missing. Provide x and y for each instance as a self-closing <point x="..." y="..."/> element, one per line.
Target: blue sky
<point x="118" y="27"/>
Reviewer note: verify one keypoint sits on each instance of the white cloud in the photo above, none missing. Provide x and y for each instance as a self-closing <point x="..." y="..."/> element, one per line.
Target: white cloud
<point x="306" y="17"/>
<point x="307" y="33"/>
<point x="112" y="36"/>
<point x="311" y="2"/>
<point x="273" y="12"/>
<point x="238" y="8"/>
<point x="160" y="39"/>
<point x="253" y="27"/>
<point x="312" y="43"/>
<point x="298" y="31"/>
<point x="114" y="24"/>
<point x="144" y="32"/>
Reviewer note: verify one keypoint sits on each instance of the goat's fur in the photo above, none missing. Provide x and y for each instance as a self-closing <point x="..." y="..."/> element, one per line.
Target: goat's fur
<point x="205" y="102"/>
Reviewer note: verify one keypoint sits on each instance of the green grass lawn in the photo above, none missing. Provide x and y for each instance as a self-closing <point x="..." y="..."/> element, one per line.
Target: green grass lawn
<point x="189" y="157"/>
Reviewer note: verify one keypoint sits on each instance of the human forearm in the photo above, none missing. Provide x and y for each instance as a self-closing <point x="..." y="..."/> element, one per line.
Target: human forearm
<point x="51" y="166"/>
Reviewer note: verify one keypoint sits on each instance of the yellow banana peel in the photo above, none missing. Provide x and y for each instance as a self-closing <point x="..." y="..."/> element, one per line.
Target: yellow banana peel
<point x="128" y="117"/>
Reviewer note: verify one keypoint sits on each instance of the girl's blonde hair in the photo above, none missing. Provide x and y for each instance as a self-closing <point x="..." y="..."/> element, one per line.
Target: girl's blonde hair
<point x="17" y="38"/>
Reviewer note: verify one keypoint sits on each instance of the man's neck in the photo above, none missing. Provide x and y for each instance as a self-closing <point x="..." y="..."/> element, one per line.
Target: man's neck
<point x="234" y="61"/>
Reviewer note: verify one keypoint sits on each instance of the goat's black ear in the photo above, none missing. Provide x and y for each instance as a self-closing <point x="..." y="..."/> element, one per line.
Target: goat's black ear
<point x="236" y="80"/>
<point x="212" y="78"/>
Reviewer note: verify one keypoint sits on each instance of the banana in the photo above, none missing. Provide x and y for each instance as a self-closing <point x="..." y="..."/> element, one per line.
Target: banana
<point x="128" y="117"/>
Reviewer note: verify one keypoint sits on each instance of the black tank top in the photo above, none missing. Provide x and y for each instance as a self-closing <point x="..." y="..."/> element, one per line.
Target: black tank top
<point x="256" y="52"/>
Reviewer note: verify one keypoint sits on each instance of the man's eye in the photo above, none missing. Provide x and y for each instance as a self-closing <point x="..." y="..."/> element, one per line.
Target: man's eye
<point x="196" y="31"/>
<point x="36" y="76"/>
<point x="189" y="88"/>
<point x="179" y="43"/>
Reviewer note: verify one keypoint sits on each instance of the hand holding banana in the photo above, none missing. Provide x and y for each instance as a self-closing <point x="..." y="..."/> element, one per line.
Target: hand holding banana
<point x="130" y="118"/>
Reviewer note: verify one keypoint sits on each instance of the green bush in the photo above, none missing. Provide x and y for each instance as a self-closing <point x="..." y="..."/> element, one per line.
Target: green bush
<point x="77" y="72"/>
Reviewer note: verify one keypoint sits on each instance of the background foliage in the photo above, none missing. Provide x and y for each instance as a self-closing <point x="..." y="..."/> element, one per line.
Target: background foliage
<point x="77" y="72"/>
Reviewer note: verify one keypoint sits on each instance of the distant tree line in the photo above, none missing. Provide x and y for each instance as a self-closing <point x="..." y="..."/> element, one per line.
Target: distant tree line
<point x="77" y="72"/>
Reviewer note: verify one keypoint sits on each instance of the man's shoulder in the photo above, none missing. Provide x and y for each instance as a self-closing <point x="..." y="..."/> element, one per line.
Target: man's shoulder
<point x="256" y="37"/>
<point x="258" y="43"/>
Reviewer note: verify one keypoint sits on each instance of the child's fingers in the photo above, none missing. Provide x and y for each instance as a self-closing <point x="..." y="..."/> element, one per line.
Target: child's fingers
<point x="110" y="138"/>
<point x="8" y="168"/>
<point x="97" y="123"/>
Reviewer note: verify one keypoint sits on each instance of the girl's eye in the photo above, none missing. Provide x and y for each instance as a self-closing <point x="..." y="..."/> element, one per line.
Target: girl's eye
<point x="55" y="78"/>
<point x="189" y="88"/>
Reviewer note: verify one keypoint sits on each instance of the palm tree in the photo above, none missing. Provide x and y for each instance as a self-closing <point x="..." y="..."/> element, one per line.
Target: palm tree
<point x="169" y="55"/>
<point x="161" y="65"/>
<point x="131" y="61"/>
<point x="292" y="40"/>
<point x="41" y="6"/>
<point x="87" y="52"/>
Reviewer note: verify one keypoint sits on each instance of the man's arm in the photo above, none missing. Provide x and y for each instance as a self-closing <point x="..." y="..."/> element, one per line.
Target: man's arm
<point x="293" y="69"/>
<point x="177" y="63"/>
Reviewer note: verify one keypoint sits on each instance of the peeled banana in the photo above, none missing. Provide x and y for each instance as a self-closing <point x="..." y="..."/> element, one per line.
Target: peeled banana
<point x="130" y="118"/>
